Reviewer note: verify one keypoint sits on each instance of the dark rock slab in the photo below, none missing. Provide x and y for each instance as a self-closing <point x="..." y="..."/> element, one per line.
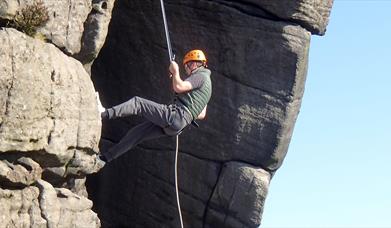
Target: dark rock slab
<point x="239" y="196"/>
<point x="258" y="55"/>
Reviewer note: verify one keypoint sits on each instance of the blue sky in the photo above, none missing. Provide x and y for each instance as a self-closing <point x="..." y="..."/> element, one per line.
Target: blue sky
<point x="337" y="172"/>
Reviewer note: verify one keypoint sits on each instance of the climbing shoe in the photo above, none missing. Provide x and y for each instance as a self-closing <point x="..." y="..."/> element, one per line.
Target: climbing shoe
<point x="100" y="106"/>
<point x="100" y="161"/>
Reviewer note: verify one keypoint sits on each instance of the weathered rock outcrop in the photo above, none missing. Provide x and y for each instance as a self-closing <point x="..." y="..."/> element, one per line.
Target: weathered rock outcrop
<point x="258" y="54"/>
<point x="45" y="206"/>
<point x="48" y="105"/>
<point x="313" y="15"/>
<point x="78" y="27"/>
<point x="49" y="130"/>
<point x="49" y="123"/>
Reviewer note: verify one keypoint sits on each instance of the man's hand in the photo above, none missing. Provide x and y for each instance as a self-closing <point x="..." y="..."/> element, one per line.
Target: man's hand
<point x="178" y="85"/>
<point x="174" y="68"/>
<point x="202" y="115"/>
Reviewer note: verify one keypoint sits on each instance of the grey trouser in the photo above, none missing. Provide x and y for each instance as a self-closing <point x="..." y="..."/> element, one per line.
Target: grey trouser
<point x="162" y="120"/>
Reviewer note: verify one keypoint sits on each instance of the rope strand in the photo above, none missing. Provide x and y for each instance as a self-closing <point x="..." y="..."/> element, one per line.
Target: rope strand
<point x="171" y="56"/>
<point x="176" y="180"/>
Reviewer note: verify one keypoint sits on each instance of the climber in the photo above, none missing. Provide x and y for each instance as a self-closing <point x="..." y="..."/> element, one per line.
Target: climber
<point x="190" y="103"/>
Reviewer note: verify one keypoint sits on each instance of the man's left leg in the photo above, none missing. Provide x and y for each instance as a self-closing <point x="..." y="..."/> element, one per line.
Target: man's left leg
<point x="144" y="131"/>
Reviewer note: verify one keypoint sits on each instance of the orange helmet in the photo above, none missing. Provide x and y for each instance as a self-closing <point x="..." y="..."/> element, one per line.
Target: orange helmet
<point x="194" y="55"/>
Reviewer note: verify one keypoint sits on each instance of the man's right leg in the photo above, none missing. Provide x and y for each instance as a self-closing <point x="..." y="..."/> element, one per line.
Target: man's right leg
<point x="158" y="114"/>
<point x="144" y="131"/>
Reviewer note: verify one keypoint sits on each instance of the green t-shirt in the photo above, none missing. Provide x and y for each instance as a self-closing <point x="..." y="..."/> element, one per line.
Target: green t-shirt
<point x="196" y="99"/>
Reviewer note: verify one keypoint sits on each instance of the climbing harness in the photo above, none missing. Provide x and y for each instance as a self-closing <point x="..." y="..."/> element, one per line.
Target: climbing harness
<point x="171" y="56"/>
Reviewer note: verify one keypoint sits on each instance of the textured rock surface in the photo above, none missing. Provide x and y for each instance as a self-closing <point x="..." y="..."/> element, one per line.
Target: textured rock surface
<point x="47" y="105"/>
<point x="62" y="208"/>
<point x="73" y="25"/>
<point x="21" y="208"/>
<point x="96" y="28"/>
<point x="65" y="26"/>
<point x="238" y="198"/>
<point x="313" y="15"/>
<point x="258" y="54"/>
<point x="49" y="123"/>
<point x="49" y="130"/>
<point x="45" y="206"/>
<point x="24" y="173"/>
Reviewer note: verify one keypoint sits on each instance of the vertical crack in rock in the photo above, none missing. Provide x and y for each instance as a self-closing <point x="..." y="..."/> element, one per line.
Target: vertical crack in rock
<point x="68" y="22"/>
<point x="49" y="204"/>
<point x="43" y="214"/>
<point x="80" y="109"/>
<point x="76" y="147"/>
<point x="11" y="86"/>
<point x="228" y="207"/>
<point x="51" y="104"/>
<point x="211" y="196"/>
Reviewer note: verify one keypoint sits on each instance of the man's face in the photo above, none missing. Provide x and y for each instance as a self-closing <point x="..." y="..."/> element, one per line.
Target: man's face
<point x="188" y="68"/>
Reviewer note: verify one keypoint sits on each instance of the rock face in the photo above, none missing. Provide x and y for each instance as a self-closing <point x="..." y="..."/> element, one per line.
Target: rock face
<point x="49" y="122"/>
<point x="313" y="15"/>
<point x="78" y="27"/>
<point x="238" y="198"/>
<point x="45" y="206"/>
<point x="47" y="105"/>
<point x="95" y="30"/>
<point x="50" y="127"/>
<point x="258" y="55"/>
<point x="49" y="134"/>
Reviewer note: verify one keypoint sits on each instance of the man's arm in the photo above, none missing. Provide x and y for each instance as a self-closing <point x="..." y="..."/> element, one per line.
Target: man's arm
<point x="202" y="115"/>
<point x="178" y="85"/>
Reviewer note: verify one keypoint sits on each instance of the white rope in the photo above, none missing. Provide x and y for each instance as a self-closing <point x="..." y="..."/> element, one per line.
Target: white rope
<point x="176" y="180"/>
<point x="171" y="56"/>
